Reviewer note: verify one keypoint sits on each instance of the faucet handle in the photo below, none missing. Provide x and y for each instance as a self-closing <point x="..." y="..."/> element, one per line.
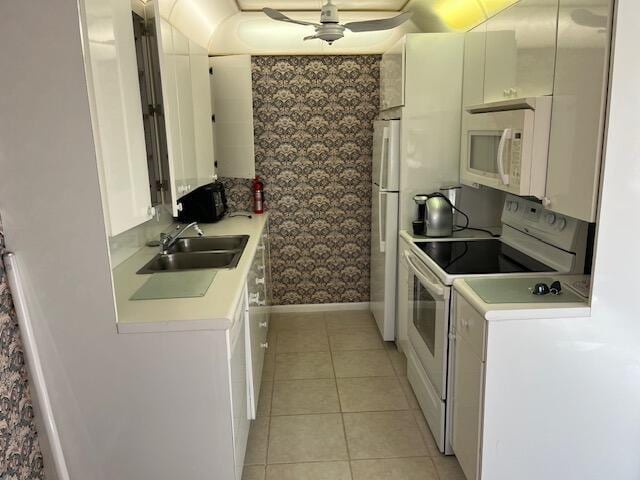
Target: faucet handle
<point x="198" y="230"/>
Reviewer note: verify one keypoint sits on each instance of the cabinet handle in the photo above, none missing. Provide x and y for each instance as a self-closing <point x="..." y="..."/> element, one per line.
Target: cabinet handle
<point x="260" y="247"/>
<point x="261" y="267"/>
<point x="260" y="281"/>
<point x="263" y="324"/>
<point x="264" y="345"/>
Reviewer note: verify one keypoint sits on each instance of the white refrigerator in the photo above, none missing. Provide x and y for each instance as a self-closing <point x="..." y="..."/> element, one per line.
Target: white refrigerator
<point x="384" y="225"/>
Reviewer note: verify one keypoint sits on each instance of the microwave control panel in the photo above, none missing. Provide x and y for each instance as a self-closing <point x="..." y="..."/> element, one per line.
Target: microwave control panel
<point x="516" y="157"/>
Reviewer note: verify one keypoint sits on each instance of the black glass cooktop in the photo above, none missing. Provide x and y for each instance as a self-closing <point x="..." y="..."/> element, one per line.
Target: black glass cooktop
<point x="480" y="257"/>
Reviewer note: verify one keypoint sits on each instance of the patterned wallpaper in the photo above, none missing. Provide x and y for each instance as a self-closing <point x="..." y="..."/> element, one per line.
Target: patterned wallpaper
<point x="20" y="456"/>
<point x="313" y="137"/>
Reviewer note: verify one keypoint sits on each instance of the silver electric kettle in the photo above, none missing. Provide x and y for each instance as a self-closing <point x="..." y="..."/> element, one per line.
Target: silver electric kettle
<point x="438" y="216"/>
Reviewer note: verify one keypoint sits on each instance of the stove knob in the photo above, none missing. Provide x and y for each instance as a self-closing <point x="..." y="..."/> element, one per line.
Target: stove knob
<point x="551" y="218"/>
<point x="562" y="223"/>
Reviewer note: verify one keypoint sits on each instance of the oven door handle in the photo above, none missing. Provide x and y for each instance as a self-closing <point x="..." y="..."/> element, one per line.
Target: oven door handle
<point x="433" y="287"/>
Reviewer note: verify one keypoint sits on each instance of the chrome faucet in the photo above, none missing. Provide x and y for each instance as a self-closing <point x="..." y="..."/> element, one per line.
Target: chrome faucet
<point x="167" y="240"/>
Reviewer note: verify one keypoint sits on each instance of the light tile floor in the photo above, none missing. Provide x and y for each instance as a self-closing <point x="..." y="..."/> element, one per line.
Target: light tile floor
<point x="335" y="404"/>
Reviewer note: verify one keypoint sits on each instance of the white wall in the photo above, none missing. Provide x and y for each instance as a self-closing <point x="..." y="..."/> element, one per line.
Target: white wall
<point x="616" y="308"/>
<point x="104" y="395"/>
<point x="572" y="409"/>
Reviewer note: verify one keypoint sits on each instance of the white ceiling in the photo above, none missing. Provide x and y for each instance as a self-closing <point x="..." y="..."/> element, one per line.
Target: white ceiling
<point x="301" y="5"/>
<point x="238" y="27"/>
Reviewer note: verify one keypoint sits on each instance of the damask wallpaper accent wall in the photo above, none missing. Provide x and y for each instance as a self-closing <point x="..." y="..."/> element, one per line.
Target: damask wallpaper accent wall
<point x="313" y="118"/>
<point x="20" y="456"/>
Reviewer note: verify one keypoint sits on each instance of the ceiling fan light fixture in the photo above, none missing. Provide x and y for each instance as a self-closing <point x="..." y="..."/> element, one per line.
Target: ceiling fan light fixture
<point x="329" y="29"/>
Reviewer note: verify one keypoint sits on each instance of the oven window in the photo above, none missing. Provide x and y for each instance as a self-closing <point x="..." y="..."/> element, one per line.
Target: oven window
<point x="424" y="314"/>
<point x="483" y="151"/>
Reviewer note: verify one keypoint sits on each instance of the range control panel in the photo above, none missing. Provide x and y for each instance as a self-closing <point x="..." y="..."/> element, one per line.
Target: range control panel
<point x="532" y="218"/>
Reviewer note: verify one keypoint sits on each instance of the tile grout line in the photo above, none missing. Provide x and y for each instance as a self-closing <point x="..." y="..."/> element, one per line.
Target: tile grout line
<point x="344" y="427"/>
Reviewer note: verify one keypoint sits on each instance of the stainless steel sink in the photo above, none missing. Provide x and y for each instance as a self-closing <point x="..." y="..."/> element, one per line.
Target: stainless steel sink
<point x="209" y="244"/>
<point x="177" y="262"/>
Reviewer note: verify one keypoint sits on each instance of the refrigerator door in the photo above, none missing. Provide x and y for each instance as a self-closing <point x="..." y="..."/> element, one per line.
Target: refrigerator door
<point x="386" y="154"/>
<point x="384" y="246"/>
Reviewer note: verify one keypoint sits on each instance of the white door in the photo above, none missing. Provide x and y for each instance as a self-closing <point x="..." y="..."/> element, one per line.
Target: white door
<point x="384" y="247"/>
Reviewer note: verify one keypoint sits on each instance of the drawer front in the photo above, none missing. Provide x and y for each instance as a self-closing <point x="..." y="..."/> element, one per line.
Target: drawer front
<point x="470" y="325"/>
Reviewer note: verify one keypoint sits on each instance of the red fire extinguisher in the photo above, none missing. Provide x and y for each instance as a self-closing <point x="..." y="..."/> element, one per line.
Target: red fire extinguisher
<point x="258" y="195"/>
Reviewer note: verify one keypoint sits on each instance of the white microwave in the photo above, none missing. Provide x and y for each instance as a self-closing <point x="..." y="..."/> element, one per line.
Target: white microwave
<point x="505" y="145"/>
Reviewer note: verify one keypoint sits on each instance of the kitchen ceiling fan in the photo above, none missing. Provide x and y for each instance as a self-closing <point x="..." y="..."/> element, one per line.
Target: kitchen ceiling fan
<point x="329" y="29"/>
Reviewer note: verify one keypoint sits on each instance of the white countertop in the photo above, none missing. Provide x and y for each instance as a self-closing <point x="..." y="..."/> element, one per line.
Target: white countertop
<point x="521" y="311"/>
<point x="213" y="311"/>
<point x="467" y="234"/>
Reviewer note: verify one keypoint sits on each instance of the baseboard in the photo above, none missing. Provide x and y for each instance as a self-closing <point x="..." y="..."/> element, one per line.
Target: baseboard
<point x="319" y="307"/>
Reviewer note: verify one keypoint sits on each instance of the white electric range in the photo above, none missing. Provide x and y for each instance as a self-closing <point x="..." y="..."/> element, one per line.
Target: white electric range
<point x="534" y="241"/>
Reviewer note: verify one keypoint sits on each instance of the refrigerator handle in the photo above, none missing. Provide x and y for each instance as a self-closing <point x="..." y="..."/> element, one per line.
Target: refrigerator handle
<point x="382" y="210"/>
<point x="384" y="161"/>
<point x="34" y="364"/>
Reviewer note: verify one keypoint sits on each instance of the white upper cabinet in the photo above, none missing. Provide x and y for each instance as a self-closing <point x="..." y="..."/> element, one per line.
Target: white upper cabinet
<point x="578" y="115"/>
<point x="112" y="75"/>
<point x="184" y="71"/>
<point x="474" y="55"/>
<point x="392" y="81"/>
<point x="186" y="124"/>
<point x="232" y="96"/>
<point x="201" y="91"/>
<point x="520" y="51"/>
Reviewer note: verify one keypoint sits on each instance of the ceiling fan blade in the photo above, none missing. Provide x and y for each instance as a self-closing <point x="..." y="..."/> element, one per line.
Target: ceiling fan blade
<point x="311" y="37"/>
<point x="383" y="24"/>
<point x="276" y="15"/>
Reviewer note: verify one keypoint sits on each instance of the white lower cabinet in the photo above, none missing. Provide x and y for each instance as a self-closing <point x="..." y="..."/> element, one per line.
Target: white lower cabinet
<point x="247" y="340"/>
<point x="468" y="387"/>
<point x="240" y="393"/>
<point x="258" y="301"/>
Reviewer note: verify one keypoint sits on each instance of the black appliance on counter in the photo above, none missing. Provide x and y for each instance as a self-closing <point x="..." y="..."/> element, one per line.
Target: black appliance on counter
<point x="206" y="204"/>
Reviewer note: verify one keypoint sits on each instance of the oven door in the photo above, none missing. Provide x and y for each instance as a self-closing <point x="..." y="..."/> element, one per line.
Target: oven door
<point x="428" y="325"/>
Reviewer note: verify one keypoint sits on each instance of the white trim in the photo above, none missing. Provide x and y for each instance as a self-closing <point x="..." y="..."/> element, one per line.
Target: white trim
<point x="319" y="307"/>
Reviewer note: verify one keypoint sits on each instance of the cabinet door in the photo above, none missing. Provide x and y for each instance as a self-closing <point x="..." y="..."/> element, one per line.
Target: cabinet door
<point x="577" y="120"/>
<point x="118" y="125"/>
<point x="187" y="128"/>
<point x="203" y="134"/>
<point x="474" y="56"/>
<point x="240" y="393"/>
<point x="467" y="401"/>
<point x="232" y="93"/>
<point x="166" y="59"/>
<point x="520" y="51"/>
<point x="468" y="385"/>
<point x="258" y="320"/>
<point x="392" y="77"/>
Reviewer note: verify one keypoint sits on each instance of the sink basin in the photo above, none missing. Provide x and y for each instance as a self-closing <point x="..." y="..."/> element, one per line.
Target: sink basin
<point x="177" y="262"/>
<point x="208" y="244"/>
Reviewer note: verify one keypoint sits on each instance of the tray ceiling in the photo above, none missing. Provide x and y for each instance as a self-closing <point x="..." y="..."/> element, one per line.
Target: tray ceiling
<point x="301" y="5"/>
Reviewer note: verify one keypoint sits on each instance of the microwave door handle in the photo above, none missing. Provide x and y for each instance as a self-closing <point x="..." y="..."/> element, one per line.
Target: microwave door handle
<point x="431" y="286"/>
<point x="502" y="146"/>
